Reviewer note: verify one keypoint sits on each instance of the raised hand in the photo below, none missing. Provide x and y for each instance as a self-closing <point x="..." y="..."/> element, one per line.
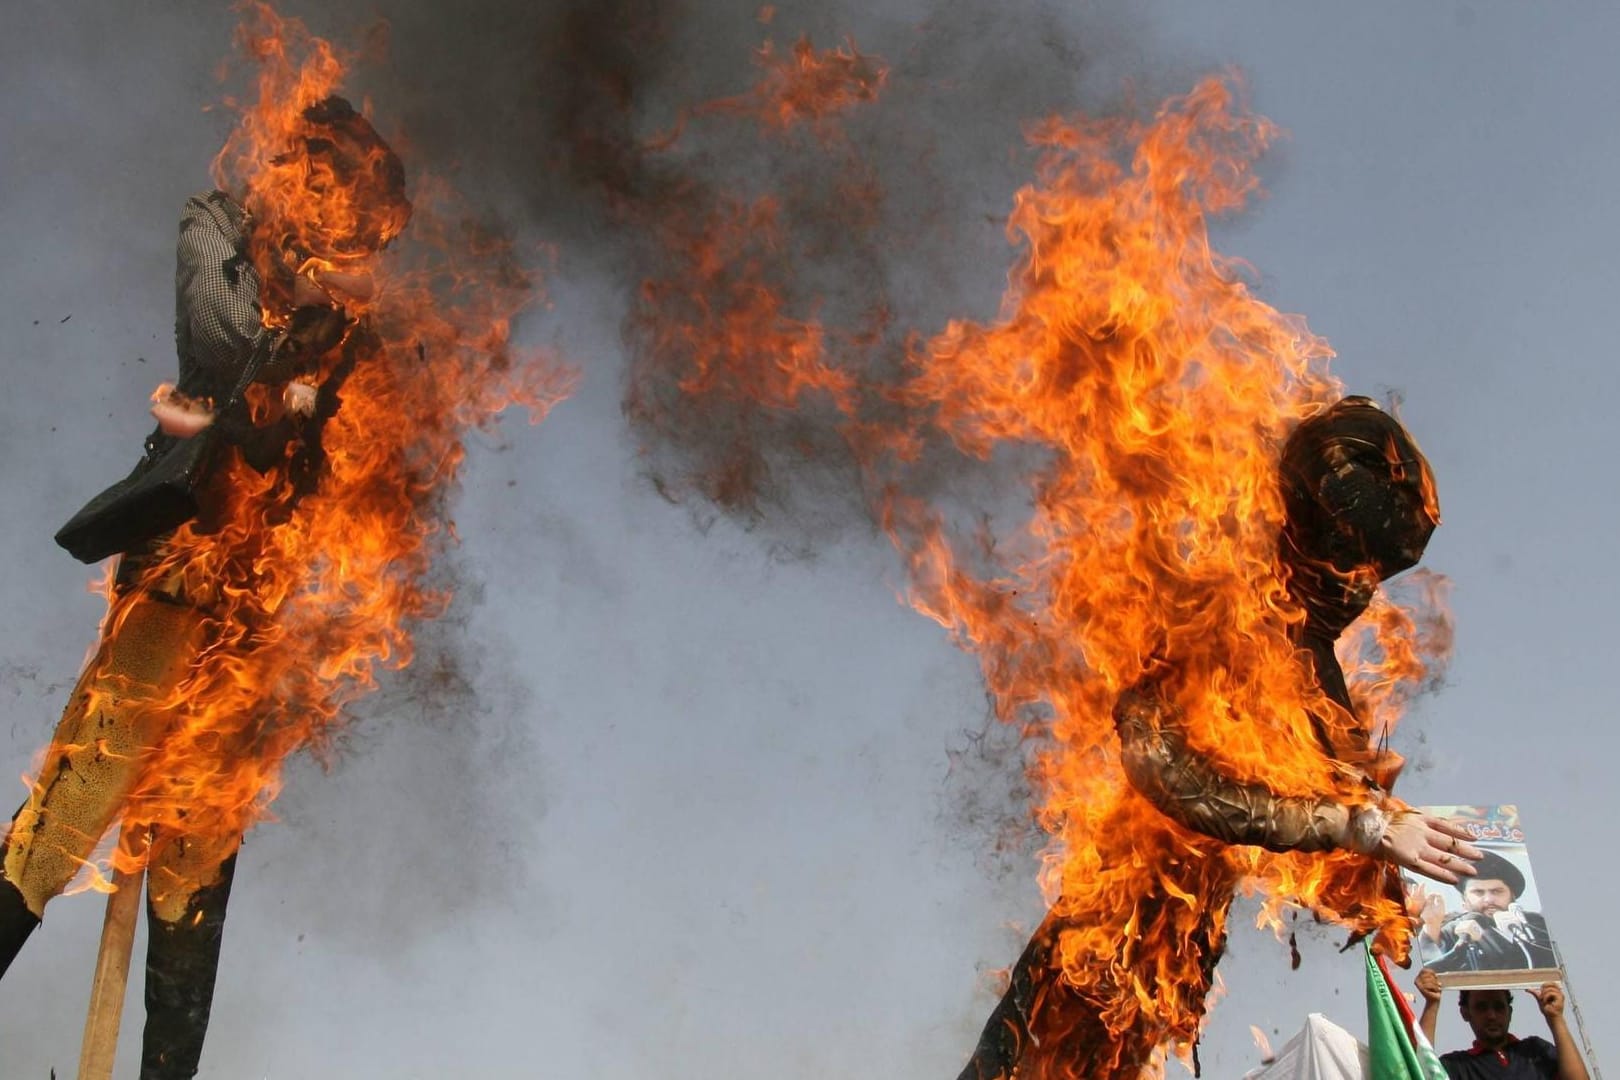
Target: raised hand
<point x="1550" y="999"/>
<point x="1428" y="984"/>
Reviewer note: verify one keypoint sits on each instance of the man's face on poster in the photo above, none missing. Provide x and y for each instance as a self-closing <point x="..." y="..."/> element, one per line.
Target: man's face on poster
<point x="1487" y="896"/>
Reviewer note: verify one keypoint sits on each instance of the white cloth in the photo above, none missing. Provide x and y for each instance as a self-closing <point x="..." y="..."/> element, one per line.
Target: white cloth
<point x="1322" y="1051"/>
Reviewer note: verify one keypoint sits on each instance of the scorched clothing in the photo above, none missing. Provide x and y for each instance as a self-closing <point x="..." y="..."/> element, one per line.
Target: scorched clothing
<point x="157" y="629"/>
<point x="219" y="323"/>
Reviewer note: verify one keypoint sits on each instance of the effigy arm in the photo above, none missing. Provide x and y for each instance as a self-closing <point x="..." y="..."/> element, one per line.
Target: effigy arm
<point x="1190" y="789"/>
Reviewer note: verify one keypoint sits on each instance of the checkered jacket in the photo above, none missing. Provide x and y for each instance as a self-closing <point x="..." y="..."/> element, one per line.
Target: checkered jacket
<point x="217" y="320"/>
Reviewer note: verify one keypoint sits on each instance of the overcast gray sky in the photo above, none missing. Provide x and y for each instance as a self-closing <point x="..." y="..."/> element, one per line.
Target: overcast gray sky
<point x="695" y="814"/>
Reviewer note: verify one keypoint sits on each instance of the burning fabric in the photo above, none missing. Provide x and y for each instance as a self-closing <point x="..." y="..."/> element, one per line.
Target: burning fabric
<point x="274" y="536"/>
<point x="1359" y="508"/>
<point x="1206" y="516"/>
<point x="1207" y="521"/>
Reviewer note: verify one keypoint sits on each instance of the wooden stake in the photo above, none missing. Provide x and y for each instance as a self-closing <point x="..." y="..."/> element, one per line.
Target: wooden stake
<point x="112" y="974"/>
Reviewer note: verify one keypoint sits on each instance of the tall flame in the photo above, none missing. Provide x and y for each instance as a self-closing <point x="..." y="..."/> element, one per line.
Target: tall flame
<point x="1158" y="388"/>
<point x="307" y="597"/>
<point x="1144" y="391"/>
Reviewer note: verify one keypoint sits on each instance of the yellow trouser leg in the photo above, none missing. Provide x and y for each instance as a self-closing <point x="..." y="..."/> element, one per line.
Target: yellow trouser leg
<point x="96" y="757"/>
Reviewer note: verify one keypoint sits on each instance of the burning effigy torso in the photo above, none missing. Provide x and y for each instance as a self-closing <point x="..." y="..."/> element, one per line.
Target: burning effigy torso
<point x="1147" y="604"/>
<point x="236" y="635"/>
<point x="1360" y="507"/>
<point x="165" y="614"/>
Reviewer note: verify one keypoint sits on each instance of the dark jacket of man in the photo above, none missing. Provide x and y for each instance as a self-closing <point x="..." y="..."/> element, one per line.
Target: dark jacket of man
<point x="1521" y="1059"/>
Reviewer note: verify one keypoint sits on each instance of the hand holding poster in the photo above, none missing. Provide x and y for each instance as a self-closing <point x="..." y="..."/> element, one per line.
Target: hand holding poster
<point x="1488" y="931"/>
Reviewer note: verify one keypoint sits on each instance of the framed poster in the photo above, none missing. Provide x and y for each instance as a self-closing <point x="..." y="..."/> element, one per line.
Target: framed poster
<point x="1488" y="930"/>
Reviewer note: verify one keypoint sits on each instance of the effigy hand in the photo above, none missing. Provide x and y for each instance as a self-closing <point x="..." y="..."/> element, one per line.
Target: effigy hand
<point x="179" y="415"/>
<point x="1425" y="845"/>
<point x="299" y="398"/>
<point x="333" y="288"/>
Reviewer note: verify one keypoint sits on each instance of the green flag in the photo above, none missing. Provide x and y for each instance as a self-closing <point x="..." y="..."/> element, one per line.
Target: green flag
<point x="1396" y="1048"/>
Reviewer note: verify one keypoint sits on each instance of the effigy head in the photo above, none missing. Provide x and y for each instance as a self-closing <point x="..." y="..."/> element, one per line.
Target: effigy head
<point x="347" y="197"/>
<point x="1359" y="500"/>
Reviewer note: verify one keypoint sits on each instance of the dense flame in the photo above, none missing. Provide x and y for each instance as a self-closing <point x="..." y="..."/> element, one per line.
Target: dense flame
<point x="1159" y="389"/>
<point x="1142" y="392"/>
<point x="306" y="597"/>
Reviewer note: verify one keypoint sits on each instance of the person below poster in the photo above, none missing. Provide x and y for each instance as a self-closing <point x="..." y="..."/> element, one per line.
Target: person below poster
<point x="1489" y="931"/>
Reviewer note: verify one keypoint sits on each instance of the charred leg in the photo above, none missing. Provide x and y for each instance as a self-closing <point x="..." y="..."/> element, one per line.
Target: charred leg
<point x="188" y="887"/>
<point x="1035" y="991"/>
<point x="16" y="921"/>
<point x="1047" y="1027"/>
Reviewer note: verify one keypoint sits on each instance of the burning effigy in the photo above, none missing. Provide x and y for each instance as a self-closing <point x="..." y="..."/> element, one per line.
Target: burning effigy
<point x="1209" y="516"/>
<point x="273" y="543"/>
<point x="1178" y="596"/>
<point x="1358" y="508"/>
<point x="1201" y="515"/>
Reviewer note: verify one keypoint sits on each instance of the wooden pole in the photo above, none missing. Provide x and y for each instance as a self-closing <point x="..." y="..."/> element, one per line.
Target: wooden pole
<point x="1580" y="1022"/>
<point x="112" y="974"/>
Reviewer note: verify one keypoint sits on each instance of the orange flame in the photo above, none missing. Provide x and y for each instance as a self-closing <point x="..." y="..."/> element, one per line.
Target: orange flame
<point x="1394" y="650"/>
<point x="720" y="315"/>
<point x="806" y="87"/>
<point x="1159" y="389"/>
<point x="307" y="597"/>
<point x="716" y="325"/>
<point x="1151" y="391"/>
<point x="811" y="87"/>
